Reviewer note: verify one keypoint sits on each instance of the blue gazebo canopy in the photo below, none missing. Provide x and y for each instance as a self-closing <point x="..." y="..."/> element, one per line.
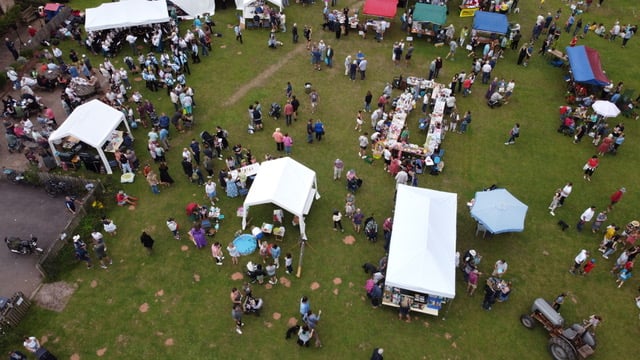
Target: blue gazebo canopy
<point x="491" y="22"/>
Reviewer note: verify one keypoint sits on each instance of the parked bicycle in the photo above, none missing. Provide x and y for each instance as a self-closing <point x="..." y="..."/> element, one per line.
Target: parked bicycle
<point x="57" y="187"/>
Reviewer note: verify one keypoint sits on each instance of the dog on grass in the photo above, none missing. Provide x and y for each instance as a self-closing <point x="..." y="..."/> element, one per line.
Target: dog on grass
<point x="563" y="225"/>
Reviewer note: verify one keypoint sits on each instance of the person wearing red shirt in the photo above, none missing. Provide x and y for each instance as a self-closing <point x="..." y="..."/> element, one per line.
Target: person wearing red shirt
<point x="616" y="197"/>
<point x="32" y="31"/>
<point x="288" y="112"/>
<point x="590" y="167"/>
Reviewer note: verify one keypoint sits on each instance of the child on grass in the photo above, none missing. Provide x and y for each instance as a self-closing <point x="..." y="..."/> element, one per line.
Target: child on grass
<point x="288" y="263"/>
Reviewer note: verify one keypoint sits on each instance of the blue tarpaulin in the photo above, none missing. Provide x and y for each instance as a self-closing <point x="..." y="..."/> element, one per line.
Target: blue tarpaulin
<point x="585" y="66"/>
<point x="490" y="22"/>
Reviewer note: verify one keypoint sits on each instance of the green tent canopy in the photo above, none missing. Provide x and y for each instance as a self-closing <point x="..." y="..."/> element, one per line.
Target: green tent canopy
<point x="430" y="13"/>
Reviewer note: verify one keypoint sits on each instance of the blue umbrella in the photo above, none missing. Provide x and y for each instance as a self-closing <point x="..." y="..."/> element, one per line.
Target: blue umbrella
<point x="499" y="211"/>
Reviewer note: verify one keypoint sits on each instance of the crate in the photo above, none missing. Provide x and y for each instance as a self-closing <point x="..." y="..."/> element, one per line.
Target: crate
<point x="15" y="309"/>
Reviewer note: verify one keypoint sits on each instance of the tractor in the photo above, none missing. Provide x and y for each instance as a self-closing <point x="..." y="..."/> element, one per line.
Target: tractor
<point x="570" y="343"/>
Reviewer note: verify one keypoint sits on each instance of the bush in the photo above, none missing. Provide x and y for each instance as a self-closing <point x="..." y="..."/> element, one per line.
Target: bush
<point x="10" y="19"/>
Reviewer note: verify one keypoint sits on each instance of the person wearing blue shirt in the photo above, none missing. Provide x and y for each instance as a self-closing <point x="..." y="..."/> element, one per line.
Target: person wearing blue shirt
<point x="275" y="254"/>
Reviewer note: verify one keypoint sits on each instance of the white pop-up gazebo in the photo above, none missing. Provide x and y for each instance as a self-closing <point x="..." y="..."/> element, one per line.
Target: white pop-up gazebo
<point x="196" y="7"/>
<point x="423" y="247"/>
<point x="126" y="14"/>
<point x="93" y="123"/>
<point x="285" y="183"/>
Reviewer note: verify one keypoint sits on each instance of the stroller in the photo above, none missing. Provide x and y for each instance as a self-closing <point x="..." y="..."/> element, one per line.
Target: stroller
<point x="275" y="110"/>
<point x="371" y="229"/>
<point x="353" y="182"/>
<point x="208" y="139"/>
<point x="13" y="143"/>
<point x="253" y="305"/>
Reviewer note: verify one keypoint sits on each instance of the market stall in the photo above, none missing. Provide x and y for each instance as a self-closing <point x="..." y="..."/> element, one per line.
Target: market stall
<point x="428" y="18"/>
<point x="421" y="263"/>
<point x="585" y="66"/>
<point x="380" y="8"/>
<point x="285" y="183"/>
<point x="490" y="23"/>
<point x="95" y="124"/>
<point x="126" y="14"/>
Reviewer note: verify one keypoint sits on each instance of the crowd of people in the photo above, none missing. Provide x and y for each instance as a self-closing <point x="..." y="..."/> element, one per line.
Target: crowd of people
<point x="170" y="70"/>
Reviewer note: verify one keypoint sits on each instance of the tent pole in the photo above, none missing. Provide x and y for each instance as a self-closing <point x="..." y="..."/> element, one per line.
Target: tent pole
<point x="105" y="161"/>
<point x="444" y="317"/>
<point x="54" y="152"/>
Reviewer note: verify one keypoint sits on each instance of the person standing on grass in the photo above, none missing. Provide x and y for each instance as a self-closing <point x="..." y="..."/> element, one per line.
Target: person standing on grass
<point x="588" y="267"/>
<point x="173" y="227"/>
<point x="466" y="120"/>
<point x="616" y="197"/>
<point x="147" y="241"/>
<point x="275" y="254"/>
<point x="100" y="249"/>
<point x="216" y="252"/>
<point x="472" y="282"/>
<point x="555" y="202"/>
<point x="338" y="166"/>
<point x="314" y="98"/>
<point x="278" y="137"/>
<point x="287" y="141"/>
<point x="318" y="128"/>
<point x="377" y="354"/>
<point x="363" y="142"/>
<point x="233" y="252"/>
<point x="288" y="263"/>
<point x="557" y="303"/>
<point x="513" y="134"/>
<point x="565" y="192"/>
<point x="579" y="260"/>
<point x="367" y="101"/>
<point x="311" y="320"/>
<point x="590" y="167"/>
<point x="288" y="113"/>
<point x="337" y="221"/>
<point x="305" y="307"/>
<point x="586" y="216"/>
<point x="81" y="252"/>
<point x="236" y="315"/>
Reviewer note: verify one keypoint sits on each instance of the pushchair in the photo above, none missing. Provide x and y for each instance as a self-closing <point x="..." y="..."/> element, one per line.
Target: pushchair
<point x="208" y="139"/>
<point x="353" y="182"/>
<point x="253" y="305"/>
<point x="13" y="143"/>
<point x="275" y="110"/>
<point x="371" y="229"/>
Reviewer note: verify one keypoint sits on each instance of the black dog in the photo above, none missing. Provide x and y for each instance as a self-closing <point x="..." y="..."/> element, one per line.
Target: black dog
<point x="292" y="331"/>
<point x="369" y="268"/>
<point x="563" y="225"/>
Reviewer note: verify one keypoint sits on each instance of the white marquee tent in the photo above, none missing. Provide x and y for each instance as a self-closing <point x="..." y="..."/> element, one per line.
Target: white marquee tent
<point x="285" y="183"/>
<point x="241" y="4"/>
<point x="92" y="123"/>
<point x="125" y="14"/>
<point x="423" y="242"/>
<point x="196" y="7"/>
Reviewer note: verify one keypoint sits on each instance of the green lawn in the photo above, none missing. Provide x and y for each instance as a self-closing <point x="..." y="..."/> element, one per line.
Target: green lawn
<point x="187" y="295"/>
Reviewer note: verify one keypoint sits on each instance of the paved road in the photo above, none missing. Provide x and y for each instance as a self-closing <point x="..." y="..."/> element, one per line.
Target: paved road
<point x="23" y="211"/>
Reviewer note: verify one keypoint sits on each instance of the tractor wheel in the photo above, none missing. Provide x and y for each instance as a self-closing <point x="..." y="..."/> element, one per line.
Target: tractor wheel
<point x="527" y="321"/>
<point x="560" y="349"/>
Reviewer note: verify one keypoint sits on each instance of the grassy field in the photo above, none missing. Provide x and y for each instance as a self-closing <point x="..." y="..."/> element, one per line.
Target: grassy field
<point x="187" y="295"/>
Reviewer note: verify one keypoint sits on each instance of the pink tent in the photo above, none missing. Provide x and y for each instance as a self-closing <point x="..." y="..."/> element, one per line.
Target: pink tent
<point x="383" y="8"/>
